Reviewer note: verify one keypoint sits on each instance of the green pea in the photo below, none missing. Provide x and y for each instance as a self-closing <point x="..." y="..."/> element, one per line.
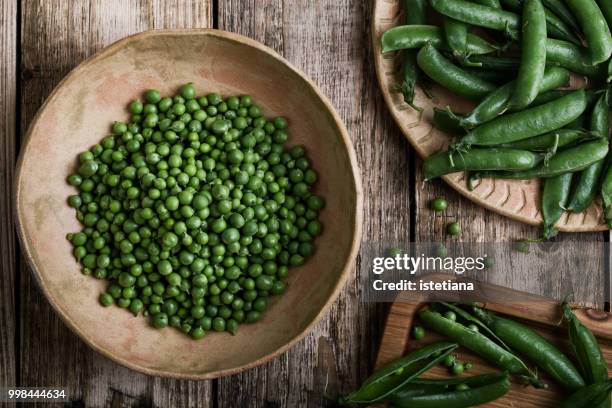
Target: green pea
<point x="439" y="204"/>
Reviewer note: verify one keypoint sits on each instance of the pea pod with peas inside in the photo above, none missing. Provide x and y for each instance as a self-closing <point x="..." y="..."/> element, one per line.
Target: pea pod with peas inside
<point x="476" y="159"/>
<point x="528" y="123"/>
<point x="533" y="346"/>
<point x="445" y="73"/>
<point x="394" y="376"/>
<point x="588" y="179"/>
<point x="417" y="36"/>
<point x="479" y="344"/>
<point x="475" y="391"/>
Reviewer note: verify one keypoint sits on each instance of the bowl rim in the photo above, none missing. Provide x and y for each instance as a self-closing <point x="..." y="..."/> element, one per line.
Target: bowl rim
<point x="345" y="138"/>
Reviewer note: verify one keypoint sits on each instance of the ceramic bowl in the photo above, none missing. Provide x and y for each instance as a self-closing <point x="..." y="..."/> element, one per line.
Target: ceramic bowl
<point x="79" y="113"/>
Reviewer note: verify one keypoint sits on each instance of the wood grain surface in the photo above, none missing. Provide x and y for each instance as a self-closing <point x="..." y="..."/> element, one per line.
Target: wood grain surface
<point x="329" y="41"/>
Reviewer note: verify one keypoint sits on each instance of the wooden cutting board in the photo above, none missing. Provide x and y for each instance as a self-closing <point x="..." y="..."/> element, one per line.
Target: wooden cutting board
<point x="540" y="313"/>
<point x="516" y="199"/>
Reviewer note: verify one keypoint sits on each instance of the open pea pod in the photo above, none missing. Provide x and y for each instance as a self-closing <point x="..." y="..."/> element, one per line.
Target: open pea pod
<point x="590" y="396"/>
<point x="395" y="375"/>
<point x="480" y="390"/>
<point x="473" y="319"/>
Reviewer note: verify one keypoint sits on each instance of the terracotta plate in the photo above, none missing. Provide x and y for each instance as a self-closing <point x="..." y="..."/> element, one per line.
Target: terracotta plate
<point x="79" y="113"/>
<point x="516" y="199"/>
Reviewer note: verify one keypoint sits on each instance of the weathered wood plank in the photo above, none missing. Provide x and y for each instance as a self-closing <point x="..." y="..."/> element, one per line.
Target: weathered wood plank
<point x="56" y="36"/>
<point x="329" y="41"/>
<point x="8" y="262"/>
<point x="481" y="225"/>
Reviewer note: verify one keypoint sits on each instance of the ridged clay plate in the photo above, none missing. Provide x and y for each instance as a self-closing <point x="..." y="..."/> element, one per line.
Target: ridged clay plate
<point x="79" y="113"/>
<point x="516" y="199"/>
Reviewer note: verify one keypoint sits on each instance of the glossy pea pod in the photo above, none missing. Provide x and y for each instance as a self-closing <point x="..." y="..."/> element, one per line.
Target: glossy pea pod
<point x="584" y="344"/>
<point x="415" y="13"/>
<point x="533" y="55"/>
<point x="550" y="141"/>
<point x="569" y="160"/>
<point x="587" y="351"/>
<point x="421" y="386"/>
<point x="450" y="76"/>
<point x="475" y="395"/>
<point x="594" y="395"/>
<point x="493" y="62"/>
<point x="554" y="199"/>
<point x="456" y="32"/>
<point x="447" y="121"/>
<point x="417" y="36"/>
<point x="587" y="183"/>
<point x="573" y="57"/>
<point x="595" y="28"/>
<point x="479" y="344"/>
<point x="478" y="160"/>
<point x="530" y="344"/>
<point x="393" y="376"/>
<point x="606" y="9"/>
<point x="563" y="12"/>
<point x="497" y="101"/>
<point x="528" y="123"/>
<point x="479" y="15"/>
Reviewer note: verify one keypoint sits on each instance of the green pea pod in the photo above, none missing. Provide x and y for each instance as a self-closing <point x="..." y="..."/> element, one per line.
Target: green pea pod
<point x="447" y="121"/>
<point x="479" y="344"/>
<point x="528" y="123"/>
<point x="479" y="15"/>
<point x="530" y="344"/>
<point x="446" y="383"/>
<point x="564" y="13"/>
<point x="554" y="199"/>
<point x="589" y="396"/>
<point x="584" y="344"/>
<point x="606" y="9"/>
<point x="473" y="319"/>
<point x="497" y="101"/>
<point x="566" y="161"/>
<point x="550" y="141"/>
<point x="415" y="13"/>
<point x="553" y="7"/>
<point x="549" y="96"/>
<point x="450" y="76"/>
<point x="455" y="399"/>
<point x="556" y="28"/>
<point x="393" y="376"/>
<point x="575" y="58"/>
<point x="595" y="28"/>
<point x="456" y="36"/>
<point x="417" y="36"/>
<point x="478" y="160"/>
<point x="587" y="183"/>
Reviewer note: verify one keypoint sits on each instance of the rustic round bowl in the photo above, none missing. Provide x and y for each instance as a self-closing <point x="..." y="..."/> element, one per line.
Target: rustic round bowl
<point x="515" y="199"/>
<point x="79" y="113"/>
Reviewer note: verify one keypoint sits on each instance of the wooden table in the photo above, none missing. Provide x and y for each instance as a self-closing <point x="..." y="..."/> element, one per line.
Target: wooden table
<point x="42" y="40"/>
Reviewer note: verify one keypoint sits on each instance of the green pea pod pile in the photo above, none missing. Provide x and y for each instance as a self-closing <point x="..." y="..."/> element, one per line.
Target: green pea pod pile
<point x="397" y="374"/>
<point x="519" y="108"/>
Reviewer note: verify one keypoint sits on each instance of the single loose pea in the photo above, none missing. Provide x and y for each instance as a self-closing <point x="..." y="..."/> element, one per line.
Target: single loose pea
<point x="106" y="299"/>
<point x="457" y="368"/>
<point x="454" y="228"/>
<point x="439" y="204"/>
<point x="418" y="332"/>
<point x="449" y="360"/>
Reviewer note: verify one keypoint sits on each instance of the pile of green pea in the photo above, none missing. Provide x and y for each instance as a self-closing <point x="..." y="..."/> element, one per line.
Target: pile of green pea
<point x="194" y="211"/>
